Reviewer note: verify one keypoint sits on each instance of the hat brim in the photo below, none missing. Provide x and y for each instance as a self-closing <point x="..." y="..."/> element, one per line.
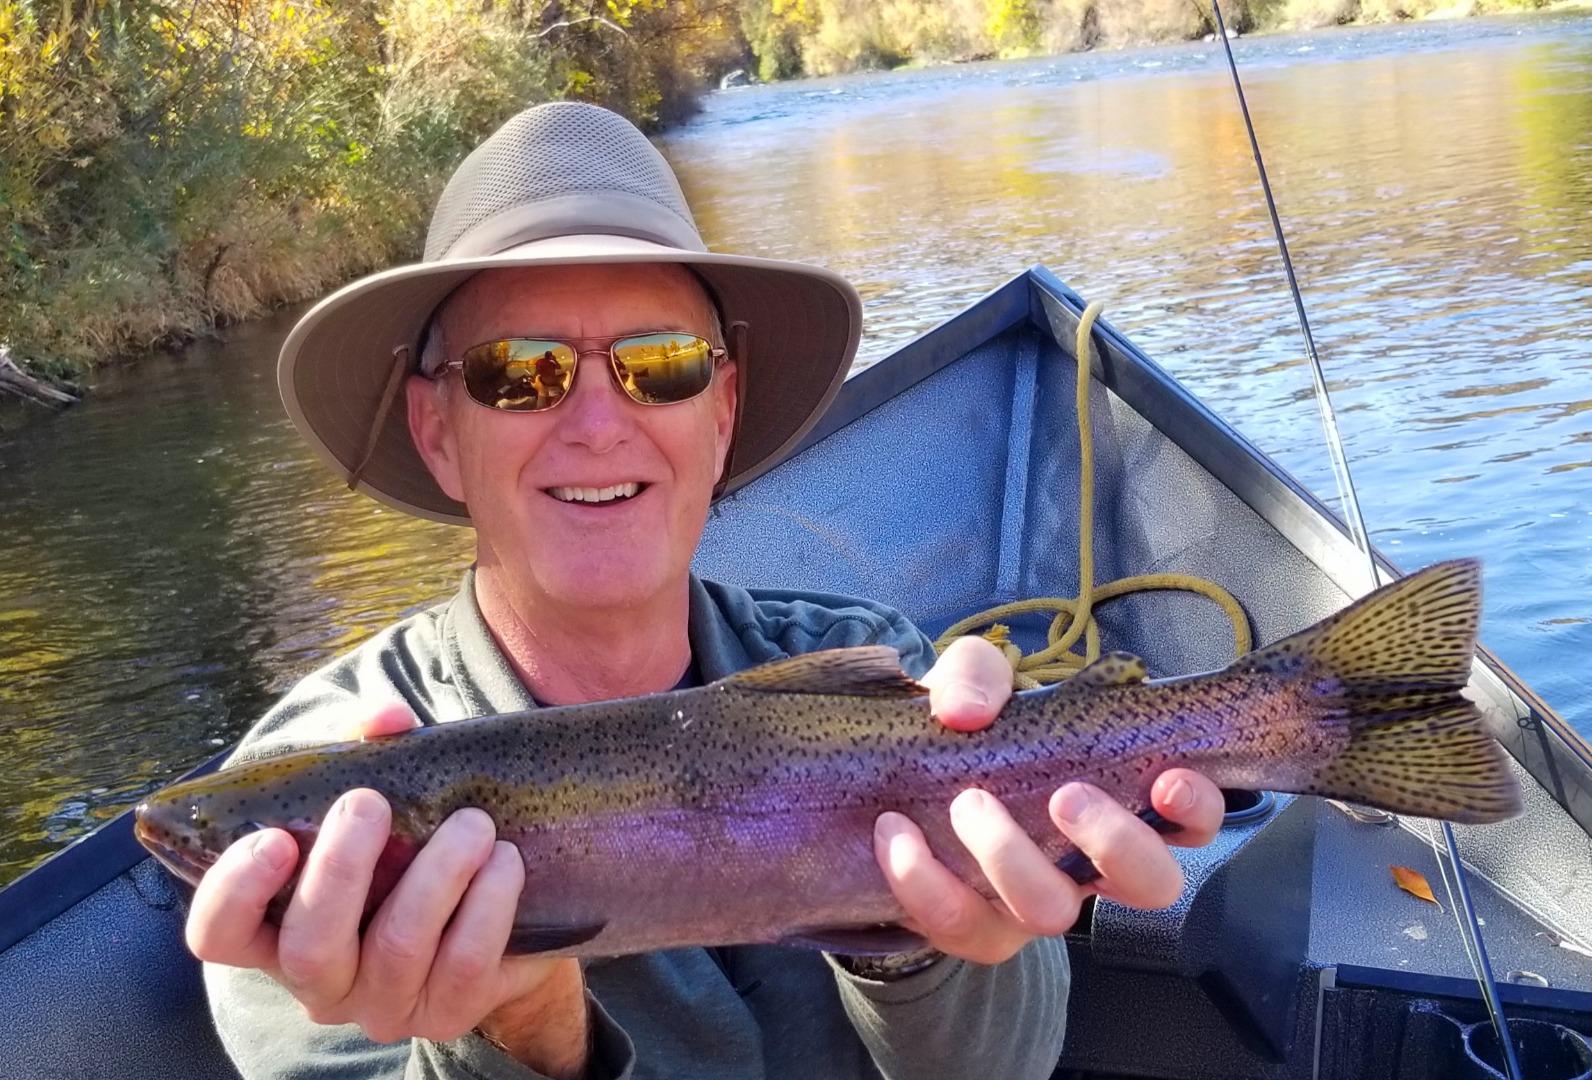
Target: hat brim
<point x="804" y="324"/>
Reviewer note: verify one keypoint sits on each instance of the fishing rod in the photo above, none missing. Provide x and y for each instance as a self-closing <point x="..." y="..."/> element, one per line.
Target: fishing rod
<point x="1464" y="911"/>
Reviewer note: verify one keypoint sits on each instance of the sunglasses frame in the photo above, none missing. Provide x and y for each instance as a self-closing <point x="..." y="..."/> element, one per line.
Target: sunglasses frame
<point x="716" y="356"/>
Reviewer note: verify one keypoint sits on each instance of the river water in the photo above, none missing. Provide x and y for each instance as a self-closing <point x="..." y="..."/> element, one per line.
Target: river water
<point x="173" y="559"/>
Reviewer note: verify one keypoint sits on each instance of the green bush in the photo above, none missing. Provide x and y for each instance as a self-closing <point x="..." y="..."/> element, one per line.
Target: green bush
<point x="163" y="169"/>
<point x="167" y="165"/>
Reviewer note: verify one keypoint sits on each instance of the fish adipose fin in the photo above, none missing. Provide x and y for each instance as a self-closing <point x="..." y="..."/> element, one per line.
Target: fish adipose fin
<point x="1397" y="661"/>
<point x="529" y="938"/>
<point x="861" y="671"/>
<point x="884" y="939"/>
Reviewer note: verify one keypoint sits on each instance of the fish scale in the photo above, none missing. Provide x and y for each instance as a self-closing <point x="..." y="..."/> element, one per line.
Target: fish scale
<point x="743" y="811"/>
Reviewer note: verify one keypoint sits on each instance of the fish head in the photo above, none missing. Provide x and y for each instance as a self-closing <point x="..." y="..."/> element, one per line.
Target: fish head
<point x="176" y="833"/>
<point x="189" y="824"/>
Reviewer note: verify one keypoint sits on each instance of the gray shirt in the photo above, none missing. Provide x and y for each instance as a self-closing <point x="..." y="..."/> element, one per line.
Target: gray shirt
<point x="747" y="1012"/>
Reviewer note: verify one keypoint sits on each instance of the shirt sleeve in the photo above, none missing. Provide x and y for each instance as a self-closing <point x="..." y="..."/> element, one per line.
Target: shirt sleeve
<point x="401" y="664"/>
<point x="268" y="1037"/>
<point x="959" y="1019"/>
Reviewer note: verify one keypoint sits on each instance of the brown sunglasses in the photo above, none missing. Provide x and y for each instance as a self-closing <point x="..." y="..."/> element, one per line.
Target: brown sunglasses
<point x="535" y="374"/>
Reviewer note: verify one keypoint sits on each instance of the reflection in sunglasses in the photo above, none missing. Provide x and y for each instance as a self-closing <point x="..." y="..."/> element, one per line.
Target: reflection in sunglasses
<point x="528" y="375"/>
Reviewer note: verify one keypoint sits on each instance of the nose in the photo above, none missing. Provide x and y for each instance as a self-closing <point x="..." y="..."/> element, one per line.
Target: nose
<point x="596" y="414"/>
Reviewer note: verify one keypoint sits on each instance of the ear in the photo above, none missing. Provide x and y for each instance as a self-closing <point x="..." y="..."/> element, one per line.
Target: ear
<point x="725" y="396"/>
<point x="431" y="430"/>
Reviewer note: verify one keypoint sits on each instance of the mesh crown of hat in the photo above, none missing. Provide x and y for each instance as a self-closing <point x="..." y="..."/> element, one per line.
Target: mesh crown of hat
<point x="550" y="150"/>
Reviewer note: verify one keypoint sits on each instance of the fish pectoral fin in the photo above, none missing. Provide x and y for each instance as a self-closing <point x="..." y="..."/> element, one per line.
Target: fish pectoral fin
<point x="539" y="938"/>
<point x="878" y="939"/>
<point x="860" y="671"/>
<point x="1112" y="669"/>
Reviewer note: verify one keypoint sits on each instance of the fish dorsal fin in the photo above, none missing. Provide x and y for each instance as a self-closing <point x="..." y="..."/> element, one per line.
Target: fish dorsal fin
<point x="1112" y="669"/>
<point x="861" y="671"/>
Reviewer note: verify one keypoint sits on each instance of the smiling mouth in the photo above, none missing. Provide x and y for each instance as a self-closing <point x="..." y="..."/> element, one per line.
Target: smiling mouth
<point x="594" y="495"/>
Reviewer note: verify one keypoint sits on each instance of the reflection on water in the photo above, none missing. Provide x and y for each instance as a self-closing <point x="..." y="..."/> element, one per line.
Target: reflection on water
<point x="1436" y="183"/>
<point x="174" y="558"/>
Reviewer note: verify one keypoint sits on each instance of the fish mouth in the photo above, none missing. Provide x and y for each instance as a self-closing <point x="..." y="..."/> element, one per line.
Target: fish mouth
<point x="178" y="857"/>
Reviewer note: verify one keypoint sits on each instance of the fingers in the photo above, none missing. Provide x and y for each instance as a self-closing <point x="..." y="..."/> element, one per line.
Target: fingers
<point x="1034" y="898"/>
<point x="1186" y="797"/>
<point x="401" y="943"/>
<point x="955" y="918"/>
<point x="1038" y="897"/>
<point x="318" y="947"/>
<point x="389" y="719"/>
<point x="969" y="684"/>
<point x="1135" y="866"/>
<point x="461" y="987"/>
<point x="226" y="922"/>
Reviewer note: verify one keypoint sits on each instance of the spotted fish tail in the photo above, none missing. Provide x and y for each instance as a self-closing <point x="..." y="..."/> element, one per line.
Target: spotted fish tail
<point x="1398" y="660"/>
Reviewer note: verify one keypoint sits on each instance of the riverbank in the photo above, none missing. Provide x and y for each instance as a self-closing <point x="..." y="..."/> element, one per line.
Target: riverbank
<point x="167" y="169"/>
<point x="158" y="182"/>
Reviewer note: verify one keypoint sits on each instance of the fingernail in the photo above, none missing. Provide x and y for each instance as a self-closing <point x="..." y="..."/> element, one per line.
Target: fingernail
<point x="268" y="851"/>
<point x="966" y="695"/>
<point x="971" y="801"/>
<point x="1072" y="802"/>
<point x="361" y="807"/>
<point x="1179" y="795"/>
<point x="889" y="826"/>
<point x="476" y="820"/>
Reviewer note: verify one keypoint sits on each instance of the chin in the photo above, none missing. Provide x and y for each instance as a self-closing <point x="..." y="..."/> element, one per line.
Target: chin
<point x="607" y="584"/>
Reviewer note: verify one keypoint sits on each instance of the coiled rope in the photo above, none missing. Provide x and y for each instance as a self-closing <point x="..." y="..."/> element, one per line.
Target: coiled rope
<point x="1074" y="618"/>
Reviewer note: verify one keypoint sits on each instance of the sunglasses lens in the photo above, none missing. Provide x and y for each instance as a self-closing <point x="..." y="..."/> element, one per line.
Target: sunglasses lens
<point x="519" y="375"/>
<point x="660" y="369"/>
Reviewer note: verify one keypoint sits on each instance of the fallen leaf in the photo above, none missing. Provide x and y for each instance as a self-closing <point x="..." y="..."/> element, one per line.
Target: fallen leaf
<point x="1412" y="882"/>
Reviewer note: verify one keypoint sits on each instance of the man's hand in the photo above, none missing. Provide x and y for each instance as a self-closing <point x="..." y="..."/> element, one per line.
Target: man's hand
<point x="429" y="965"/>
<point x="967" y="688"/>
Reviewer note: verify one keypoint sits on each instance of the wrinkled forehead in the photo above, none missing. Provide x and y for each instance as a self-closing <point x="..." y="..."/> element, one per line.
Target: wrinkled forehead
<point x="585" y="301"/>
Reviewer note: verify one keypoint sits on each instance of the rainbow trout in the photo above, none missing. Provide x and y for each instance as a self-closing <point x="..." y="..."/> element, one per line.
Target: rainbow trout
<point x="743" y="811"/>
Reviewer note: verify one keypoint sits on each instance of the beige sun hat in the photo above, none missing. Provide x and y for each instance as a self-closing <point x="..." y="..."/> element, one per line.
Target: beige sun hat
<point x="560" y="184"/>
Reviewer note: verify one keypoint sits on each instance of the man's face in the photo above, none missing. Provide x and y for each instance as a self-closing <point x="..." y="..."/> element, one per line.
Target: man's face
<point x="514" y="470"/>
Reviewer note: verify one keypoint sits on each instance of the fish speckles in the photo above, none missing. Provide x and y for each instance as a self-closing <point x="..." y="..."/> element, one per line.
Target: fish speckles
<point x="748" y="788"/>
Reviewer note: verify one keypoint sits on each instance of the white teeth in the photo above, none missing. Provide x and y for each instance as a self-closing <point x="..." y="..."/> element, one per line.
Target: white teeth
<point x="595" y="495"/>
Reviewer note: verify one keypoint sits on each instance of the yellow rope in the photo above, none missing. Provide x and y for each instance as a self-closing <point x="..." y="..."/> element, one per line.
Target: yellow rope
<point x="1075" y="617"/>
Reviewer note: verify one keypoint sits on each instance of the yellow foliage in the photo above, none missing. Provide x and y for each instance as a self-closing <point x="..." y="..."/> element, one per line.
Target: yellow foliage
<point x="166" y="164"/>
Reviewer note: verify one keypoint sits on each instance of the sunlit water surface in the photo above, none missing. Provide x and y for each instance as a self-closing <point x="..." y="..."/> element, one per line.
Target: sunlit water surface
<point x="173" y="558"/>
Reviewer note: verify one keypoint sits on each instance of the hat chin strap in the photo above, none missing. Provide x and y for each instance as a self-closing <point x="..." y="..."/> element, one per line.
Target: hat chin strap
<point x="395" y="378"/>
<point x="738" y="333"/>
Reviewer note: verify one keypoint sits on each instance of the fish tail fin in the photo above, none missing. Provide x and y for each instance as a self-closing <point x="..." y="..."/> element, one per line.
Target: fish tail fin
<point x="1396" y="662"/>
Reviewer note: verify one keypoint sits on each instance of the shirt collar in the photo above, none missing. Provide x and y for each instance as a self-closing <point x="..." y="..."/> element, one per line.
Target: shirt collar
<point x="487" y="681"/>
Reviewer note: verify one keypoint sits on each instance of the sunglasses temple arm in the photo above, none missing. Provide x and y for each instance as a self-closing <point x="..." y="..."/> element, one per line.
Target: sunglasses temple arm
<point x="395" y="378"/>
<point x="739" y="331"/>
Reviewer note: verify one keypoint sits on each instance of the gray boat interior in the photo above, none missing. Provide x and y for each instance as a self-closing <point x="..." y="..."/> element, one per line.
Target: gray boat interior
<point x="944" y="481"/>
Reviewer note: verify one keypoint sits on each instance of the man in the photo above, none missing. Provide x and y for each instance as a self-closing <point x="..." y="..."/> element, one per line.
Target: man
<point x="681" y="373"/>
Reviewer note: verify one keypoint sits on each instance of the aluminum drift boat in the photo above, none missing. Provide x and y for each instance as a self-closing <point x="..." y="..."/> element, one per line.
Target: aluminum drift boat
<point x="945" y="480"/>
